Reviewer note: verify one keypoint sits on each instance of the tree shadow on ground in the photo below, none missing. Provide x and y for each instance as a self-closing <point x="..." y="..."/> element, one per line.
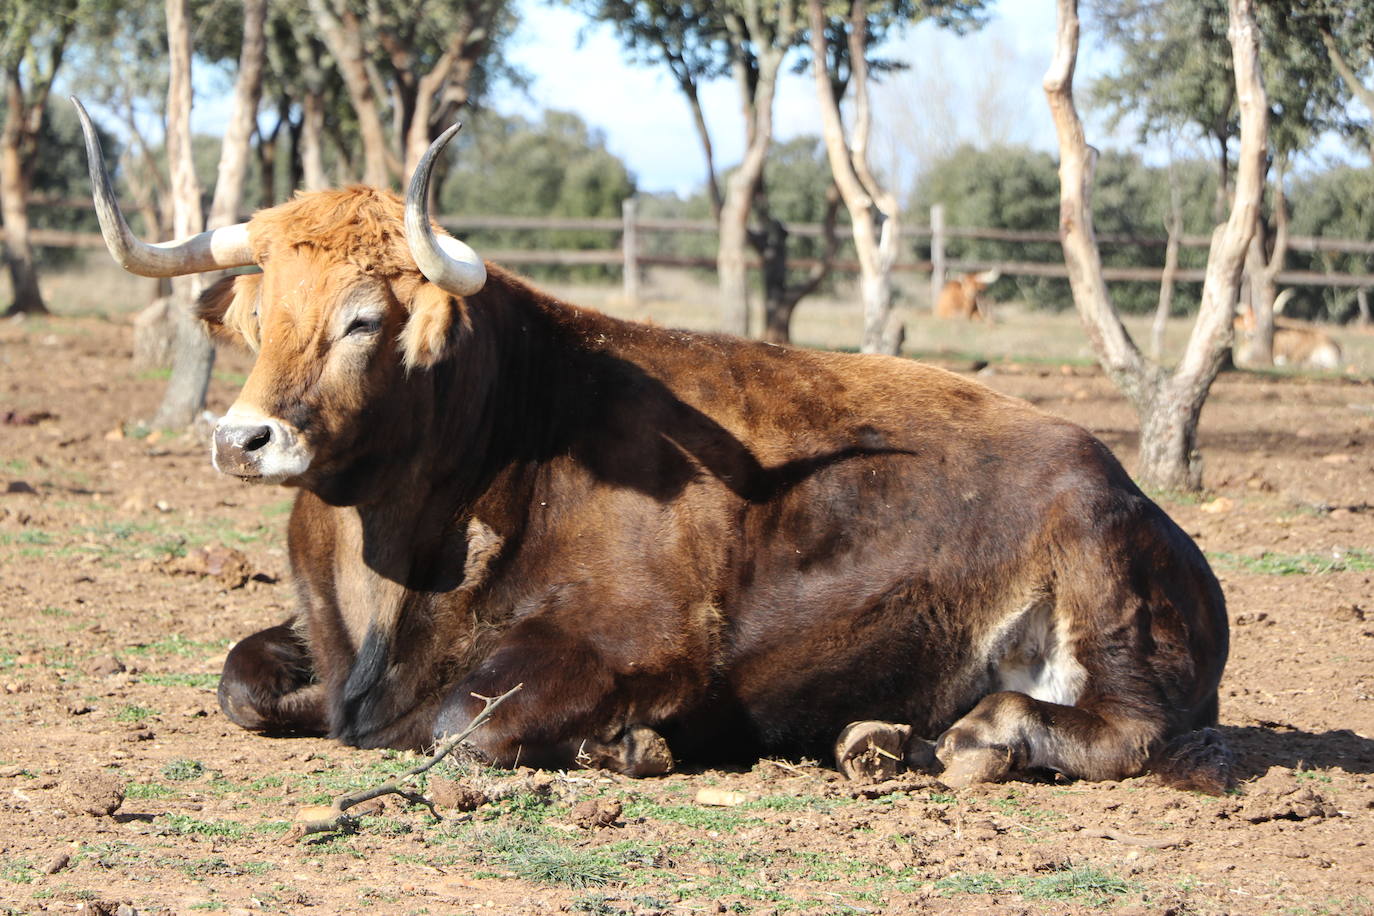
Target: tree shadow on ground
<point x="1258" y="748"/>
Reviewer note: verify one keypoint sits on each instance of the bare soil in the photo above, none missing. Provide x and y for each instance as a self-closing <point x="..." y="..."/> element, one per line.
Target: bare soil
<point x="128" y="567"/>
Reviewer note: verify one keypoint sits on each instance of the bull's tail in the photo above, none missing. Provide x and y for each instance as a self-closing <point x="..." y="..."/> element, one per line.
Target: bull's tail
<point x="1197" y="761"/>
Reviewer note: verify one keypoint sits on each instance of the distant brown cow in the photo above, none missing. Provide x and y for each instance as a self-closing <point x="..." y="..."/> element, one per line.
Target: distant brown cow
<point x="1295" y="343"/>
<point x="686" y="546"/>
<point x="959" y="298"/>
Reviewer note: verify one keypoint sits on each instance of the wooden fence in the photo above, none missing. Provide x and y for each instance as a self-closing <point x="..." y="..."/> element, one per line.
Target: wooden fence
<point x="631" y="257"/>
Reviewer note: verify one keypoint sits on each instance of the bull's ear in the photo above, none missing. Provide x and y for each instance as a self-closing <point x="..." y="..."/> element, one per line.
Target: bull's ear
<point x="230" y="309"/>
<point x="437" y="319"/>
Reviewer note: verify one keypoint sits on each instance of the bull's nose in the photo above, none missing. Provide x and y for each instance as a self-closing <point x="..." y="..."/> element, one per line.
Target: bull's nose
<point x="239" y="446"/>
<point x="259" y="448"/>
<point x="246" y="438"/>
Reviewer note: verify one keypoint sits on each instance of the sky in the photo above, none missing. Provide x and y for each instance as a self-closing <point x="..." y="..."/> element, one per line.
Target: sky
<point x="647" y="123"/>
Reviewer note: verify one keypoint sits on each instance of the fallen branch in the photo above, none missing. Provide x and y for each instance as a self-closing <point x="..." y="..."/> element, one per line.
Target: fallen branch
<point x="339" y="818"/>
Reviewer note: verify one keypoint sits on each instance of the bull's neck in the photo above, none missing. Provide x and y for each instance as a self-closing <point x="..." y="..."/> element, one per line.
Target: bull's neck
<point x="491" y="411"/>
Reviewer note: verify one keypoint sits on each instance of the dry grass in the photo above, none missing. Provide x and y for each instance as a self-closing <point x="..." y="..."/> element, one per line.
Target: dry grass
<point x="676" y="298"/>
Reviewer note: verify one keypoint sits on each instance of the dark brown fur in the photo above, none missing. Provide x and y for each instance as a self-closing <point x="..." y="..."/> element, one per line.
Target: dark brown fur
<point x="739" y="547"/>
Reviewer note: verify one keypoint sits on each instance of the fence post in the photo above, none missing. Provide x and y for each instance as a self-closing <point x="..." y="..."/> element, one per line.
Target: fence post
<point x="629" y="247"/>
<point x="937" y="253"/>
<point x="1362" y="300"/>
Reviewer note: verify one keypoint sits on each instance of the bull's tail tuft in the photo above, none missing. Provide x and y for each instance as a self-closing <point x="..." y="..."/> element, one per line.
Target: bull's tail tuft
<point x="1197" y="761"/>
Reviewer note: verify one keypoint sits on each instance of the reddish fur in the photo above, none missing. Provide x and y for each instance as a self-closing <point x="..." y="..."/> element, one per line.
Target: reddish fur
<point x="959" y="298"/>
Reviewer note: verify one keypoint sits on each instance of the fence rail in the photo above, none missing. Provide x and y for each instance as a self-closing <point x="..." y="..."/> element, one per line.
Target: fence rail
<point x="631" y="256"/>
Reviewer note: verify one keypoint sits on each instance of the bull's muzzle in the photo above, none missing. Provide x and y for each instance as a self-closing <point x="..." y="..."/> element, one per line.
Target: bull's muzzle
<point x="258" y="448"/>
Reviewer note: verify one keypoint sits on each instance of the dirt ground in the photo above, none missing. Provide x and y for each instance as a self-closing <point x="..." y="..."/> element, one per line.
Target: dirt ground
<point x="128" y="567"/>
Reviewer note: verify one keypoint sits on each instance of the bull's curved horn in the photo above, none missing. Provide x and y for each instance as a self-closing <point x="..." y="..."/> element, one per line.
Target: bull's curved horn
<point x="217" y="249"/>
<point x="446" y="262"/>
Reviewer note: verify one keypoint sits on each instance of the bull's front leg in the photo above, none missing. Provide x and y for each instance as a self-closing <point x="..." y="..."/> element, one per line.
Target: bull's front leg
<point x="573" y="710"/>
<point x="268" y="684"/>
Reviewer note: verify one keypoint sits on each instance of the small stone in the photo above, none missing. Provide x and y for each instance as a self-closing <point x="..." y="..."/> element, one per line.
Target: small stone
<point x="104" y="666"/>
<point x="97" y="794"/>
<point x="1218" y="505"/>
<point x="450" y="793"/>
<point x="57" y="863"/>
<point x="596" y="812"/>
<point x="19" y="486"/>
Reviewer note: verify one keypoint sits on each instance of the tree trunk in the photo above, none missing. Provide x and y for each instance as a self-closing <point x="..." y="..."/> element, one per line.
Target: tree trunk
<point x="14" y="194"/>
<point x="1260" y="329"/>
<point x="243" y="116"/>
<point x="1169" y="459"/>
<point x="873" y="211"/>
<point x="731" y="256"/>
<point x="312" y="141"/>
<point x="193" y="356"/>
<point x="1166" y="280"/>
<point x="342" y="34"/>
<point x="1168" y="406"/>
<point x="14" y="206"/>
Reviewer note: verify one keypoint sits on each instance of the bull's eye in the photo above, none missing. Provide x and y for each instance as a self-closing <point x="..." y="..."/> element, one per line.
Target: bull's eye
<point x="364" y="324"/>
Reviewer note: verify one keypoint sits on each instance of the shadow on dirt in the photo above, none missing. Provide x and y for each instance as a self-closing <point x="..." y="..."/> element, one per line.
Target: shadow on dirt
<point x="1257" y="749"/>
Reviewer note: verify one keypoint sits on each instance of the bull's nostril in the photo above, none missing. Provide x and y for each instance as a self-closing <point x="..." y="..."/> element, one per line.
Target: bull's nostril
<point x="255" y="439"/>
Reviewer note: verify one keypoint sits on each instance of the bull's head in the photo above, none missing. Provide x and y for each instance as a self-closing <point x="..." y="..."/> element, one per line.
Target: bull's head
<point x="350" y="298"/>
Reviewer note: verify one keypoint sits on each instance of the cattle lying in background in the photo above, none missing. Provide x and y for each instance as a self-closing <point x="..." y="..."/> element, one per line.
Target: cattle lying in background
<point x="686" y="546"/>
<point x="960" y="298"/>
<point x="1295" y="344"/>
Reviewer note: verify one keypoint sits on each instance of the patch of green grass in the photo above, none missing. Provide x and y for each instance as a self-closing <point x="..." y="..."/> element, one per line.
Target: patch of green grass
<point x="1080" y="884"/>
<point x="147" y="790"/>
<point x="182" y="770"/>
<point x="17" y="871"/>
<point x="14" y="465"/>
<point x="201" y="681"/>
<point x="176" y="644"/>
<point x="942" y="798"/>
<point x="132" y="712"/>
<point x="1304" y="775"/>
<point x="55" y="612"/>
<point x="793" y="803"/>
<point x="700" y="816"/>
<point x="185" y="825"/>
<point x="216" y="866"/>
<point x="1298" y="564"/>
<point x="534" y="857"/>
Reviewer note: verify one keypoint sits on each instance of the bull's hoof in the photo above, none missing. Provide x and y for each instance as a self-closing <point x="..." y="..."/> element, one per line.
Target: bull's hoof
<point x="972" y="765"/>
<point x="871" y="751"/>
<point x="639" y="751"/>
<point x="646" y="753"/>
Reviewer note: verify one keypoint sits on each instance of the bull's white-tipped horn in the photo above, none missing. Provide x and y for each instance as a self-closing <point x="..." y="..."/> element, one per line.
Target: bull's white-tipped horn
<point x="217" y="249"/>
<point x="989" y="276"/>
<point x="446" y="262"/>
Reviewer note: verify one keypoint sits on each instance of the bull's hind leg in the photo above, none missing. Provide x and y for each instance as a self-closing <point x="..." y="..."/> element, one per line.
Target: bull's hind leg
<point x="1009" y="732"/>
<point x="268" y="684"/>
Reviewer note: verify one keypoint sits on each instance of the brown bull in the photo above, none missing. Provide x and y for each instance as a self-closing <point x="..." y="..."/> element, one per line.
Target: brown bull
<point x="686" y="546"/>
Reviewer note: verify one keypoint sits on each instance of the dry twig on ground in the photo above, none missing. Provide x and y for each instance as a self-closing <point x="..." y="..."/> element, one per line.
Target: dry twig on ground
<point x="339" y="818"/>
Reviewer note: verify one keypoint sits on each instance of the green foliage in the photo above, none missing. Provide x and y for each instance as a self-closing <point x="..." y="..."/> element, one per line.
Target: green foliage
<point x="1336" y="202"/>
<point x="182" y="770"/>
<point x="1298" y="564"/>
<point x="558" y="166"/>
<point x="1080" y="884"/>
<point x="132" y="712"/>
<point x="1013" y="187"/>
<point x="1175" y="71"/>
<point x="535" y="857"/>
